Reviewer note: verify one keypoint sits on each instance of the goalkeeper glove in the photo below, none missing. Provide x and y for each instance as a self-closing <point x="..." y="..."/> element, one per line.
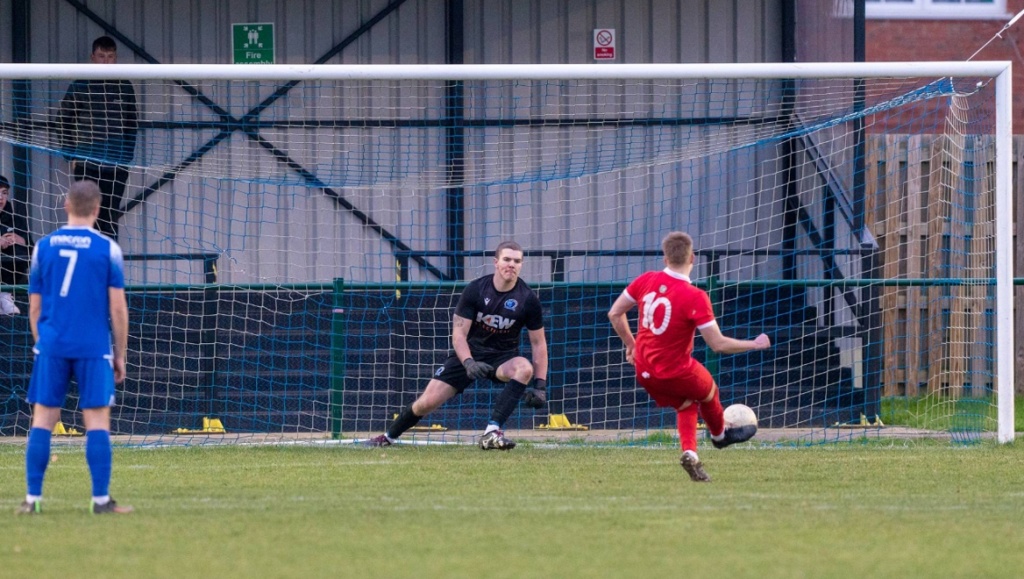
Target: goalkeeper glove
<point x="476" y="370"/>
<point x="537" y="396"/>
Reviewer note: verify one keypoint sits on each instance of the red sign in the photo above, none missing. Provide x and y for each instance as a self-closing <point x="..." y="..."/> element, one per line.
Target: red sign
<point x="604" y="44"/>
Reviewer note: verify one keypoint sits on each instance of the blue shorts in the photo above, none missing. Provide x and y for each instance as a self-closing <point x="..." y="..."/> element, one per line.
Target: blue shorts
<point x="51" y="377"/>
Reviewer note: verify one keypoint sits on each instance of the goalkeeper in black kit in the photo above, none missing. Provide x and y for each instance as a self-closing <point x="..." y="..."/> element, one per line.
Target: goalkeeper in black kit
<point x="489" y="317"/>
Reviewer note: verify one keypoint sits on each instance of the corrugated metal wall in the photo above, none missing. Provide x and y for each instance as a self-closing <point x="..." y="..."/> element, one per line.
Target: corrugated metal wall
<point x="824" y="30"/>
<point x="5" y="40"/>
<point x="271" y="230"/>
<point x="198" y="31"/>
<point x="539" y="31"/>
<point x="6" y="152"/>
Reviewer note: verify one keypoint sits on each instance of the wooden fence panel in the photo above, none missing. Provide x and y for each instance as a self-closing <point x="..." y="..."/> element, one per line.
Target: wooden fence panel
<point x="914" y="235"/>
<point x="940" y="202"/>
<point x="1018" y="265"/>
<point x="926" y="227"/>
<point x="981" y="252"/>
<point x="888" y="235"/>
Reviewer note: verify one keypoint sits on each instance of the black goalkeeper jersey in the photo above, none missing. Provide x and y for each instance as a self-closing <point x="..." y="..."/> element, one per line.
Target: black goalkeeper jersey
<point x="498" y="317"/>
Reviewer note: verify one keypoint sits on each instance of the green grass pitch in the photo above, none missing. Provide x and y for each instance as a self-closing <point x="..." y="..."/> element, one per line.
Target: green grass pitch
<point x="925" y="509"/>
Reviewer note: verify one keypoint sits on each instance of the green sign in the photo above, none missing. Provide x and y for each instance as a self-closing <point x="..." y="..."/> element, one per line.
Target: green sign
<point x="252" y="43"/>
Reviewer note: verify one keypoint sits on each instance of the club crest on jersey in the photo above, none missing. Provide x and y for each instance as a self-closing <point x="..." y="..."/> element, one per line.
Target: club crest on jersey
<point x="511" y="304"/>
<point x="662" y="289"/>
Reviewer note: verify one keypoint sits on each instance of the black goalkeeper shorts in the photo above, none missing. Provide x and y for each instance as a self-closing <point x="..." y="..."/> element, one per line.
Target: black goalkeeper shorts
<point x="453" y="373"/>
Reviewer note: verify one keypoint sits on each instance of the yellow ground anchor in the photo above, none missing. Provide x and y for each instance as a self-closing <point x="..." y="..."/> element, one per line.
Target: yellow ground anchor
<point x="864" y="423"/>
<point x="210" y="426"/>
<point x="59" y="430"/>
<point x="560" y="422"/>
<point x="418" y="428"/>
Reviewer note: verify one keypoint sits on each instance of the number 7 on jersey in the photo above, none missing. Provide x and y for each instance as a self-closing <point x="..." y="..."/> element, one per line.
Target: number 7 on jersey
<point x="72" y="255"/>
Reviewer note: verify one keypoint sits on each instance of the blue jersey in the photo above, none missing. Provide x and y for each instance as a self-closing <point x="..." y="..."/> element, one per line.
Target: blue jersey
<point x="72" y="270"/>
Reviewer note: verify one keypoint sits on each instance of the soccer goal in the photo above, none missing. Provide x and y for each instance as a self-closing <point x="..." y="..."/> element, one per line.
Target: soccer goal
<point x="296" y="237"/>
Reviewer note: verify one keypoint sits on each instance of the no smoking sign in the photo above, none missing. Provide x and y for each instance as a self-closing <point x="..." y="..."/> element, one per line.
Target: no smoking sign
<point x="604" y="44"/>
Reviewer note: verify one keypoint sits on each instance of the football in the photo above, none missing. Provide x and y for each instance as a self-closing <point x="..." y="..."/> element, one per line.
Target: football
<point x="740" y="415"/>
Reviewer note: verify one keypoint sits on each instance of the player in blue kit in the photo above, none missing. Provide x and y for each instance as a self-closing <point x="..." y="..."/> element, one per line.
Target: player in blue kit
<point x="76" y="300"/>
<point x="489" y="318"/>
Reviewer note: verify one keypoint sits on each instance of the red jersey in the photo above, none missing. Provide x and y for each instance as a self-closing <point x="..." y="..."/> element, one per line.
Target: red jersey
<point x="671" y="310"/>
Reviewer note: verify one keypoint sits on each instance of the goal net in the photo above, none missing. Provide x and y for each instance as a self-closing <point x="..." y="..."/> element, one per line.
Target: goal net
<point x="296" y="238"/>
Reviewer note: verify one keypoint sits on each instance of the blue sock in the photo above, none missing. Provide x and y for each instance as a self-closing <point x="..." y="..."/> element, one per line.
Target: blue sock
<point x="37" y="458"/>
<point x="99" y="456"/>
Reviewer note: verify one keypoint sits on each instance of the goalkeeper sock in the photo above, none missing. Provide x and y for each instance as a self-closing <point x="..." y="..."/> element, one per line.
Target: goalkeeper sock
<point x="686" y="422"/>
<point x="406" y="420"/>
<point x="711" y="412"/>
<point x="37" y="457"/>
<point x="99" y="457"/>
<point x="507" y="401"/>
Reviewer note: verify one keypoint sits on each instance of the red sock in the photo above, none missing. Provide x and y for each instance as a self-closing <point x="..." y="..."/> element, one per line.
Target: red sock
<point x="686" y="422"/>
<point x="711" y="412"/>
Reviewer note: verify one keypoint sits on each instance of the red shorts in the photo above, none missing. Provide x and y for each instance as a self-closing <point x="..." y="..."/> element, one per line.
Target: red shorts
<point x="693" y="384"/>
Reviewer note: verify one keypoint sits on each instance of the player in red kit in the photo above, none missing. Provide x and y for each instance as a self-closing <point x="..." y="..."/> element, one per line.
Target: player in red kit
<point x="671" y="310"/>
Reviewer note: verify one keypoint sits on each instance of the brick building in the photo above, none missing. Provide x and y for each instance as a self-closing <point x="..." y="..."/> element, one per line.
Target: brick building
<point x="942" y="30"/>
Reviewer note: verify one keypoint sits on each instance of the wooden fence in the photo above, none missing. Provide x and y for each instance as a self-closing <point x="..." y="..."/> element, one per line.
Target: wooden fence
<point x="939" y="338"/>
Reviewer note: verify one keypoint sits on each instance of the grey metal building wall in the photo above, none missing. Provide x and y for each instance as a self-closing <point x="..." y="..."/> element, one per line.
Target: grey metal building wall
<point x="5" y="56"/>
<point x="713" y="201"/>
<point x="5" y="45"/>
<point x="268" y="232"/>
<point x="647" y="30"/>
<point x="277" y="232"/>
<point x="198" y="31"/>
<point x="825" y="30"/>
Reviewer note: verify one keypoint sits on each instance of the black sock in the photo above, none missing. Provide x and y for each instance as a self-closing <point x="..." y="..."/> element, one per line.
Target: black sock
<point x="406" y="420"/>
<point x="507" y="401"/>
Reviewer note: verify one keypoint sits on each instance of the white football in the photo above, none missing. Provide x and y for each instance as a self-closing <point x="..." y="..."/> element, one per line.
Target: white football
<point x="739" y="415"/>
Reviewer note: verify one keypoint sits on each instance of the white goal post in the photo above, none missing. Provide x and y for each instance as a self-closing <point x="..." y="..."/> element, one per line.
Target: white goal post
<point x="571" y="159"/>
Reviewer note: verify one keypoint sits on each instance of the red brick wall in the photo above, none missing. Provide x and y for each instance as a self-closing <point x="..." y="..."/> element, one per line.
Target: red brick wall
<point x="909" y="40"/>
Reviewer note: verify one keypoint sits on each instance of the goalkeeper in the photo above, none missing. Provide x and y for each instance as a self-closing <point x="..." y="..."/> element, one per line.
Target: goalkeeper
<point x="671" y="310"/>
<point x="488" y="320"/>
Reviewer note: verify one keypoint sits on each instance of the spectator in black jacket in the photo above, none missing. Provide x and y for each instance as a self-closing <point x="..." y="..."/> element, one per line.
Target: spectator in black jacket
<point x="97" y="126"/>
<point x="14" y="249"/>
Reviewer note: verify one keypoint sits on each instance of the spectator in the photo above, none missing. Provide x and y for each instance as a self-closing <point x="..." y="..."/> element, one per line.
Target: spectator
<point x="97" y="126"/>
<point x="14" y="248"/>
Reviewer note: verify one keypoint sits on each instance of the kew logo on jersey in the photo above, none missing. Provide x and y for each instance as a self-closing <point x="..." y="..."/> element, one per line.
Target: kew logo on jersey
<point x="76" y="241"/>
<point x="495" y="321"/>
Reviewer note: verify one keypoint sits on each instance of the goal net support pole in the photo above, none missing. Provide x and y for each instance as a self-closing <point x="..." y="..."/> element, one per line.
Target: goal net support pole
<point x="1004" y="254"/>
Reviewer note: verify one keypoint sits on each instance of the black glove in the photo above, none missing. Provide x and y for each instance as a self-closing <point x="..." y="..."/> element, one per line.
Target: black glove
<point x="476" y="370"/>
<point x="537" y="396"/>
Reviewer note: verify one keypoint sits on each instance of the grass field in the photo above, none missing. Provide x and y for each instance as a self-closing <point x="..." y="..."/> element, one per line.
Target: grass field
<point x="850" y="510"/>
<point x="934" y="412"/>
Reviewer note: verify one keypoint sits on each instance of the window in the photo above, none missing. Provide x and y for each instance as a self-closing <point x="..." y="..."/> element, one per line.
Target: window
<point x="936" y="9"/>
